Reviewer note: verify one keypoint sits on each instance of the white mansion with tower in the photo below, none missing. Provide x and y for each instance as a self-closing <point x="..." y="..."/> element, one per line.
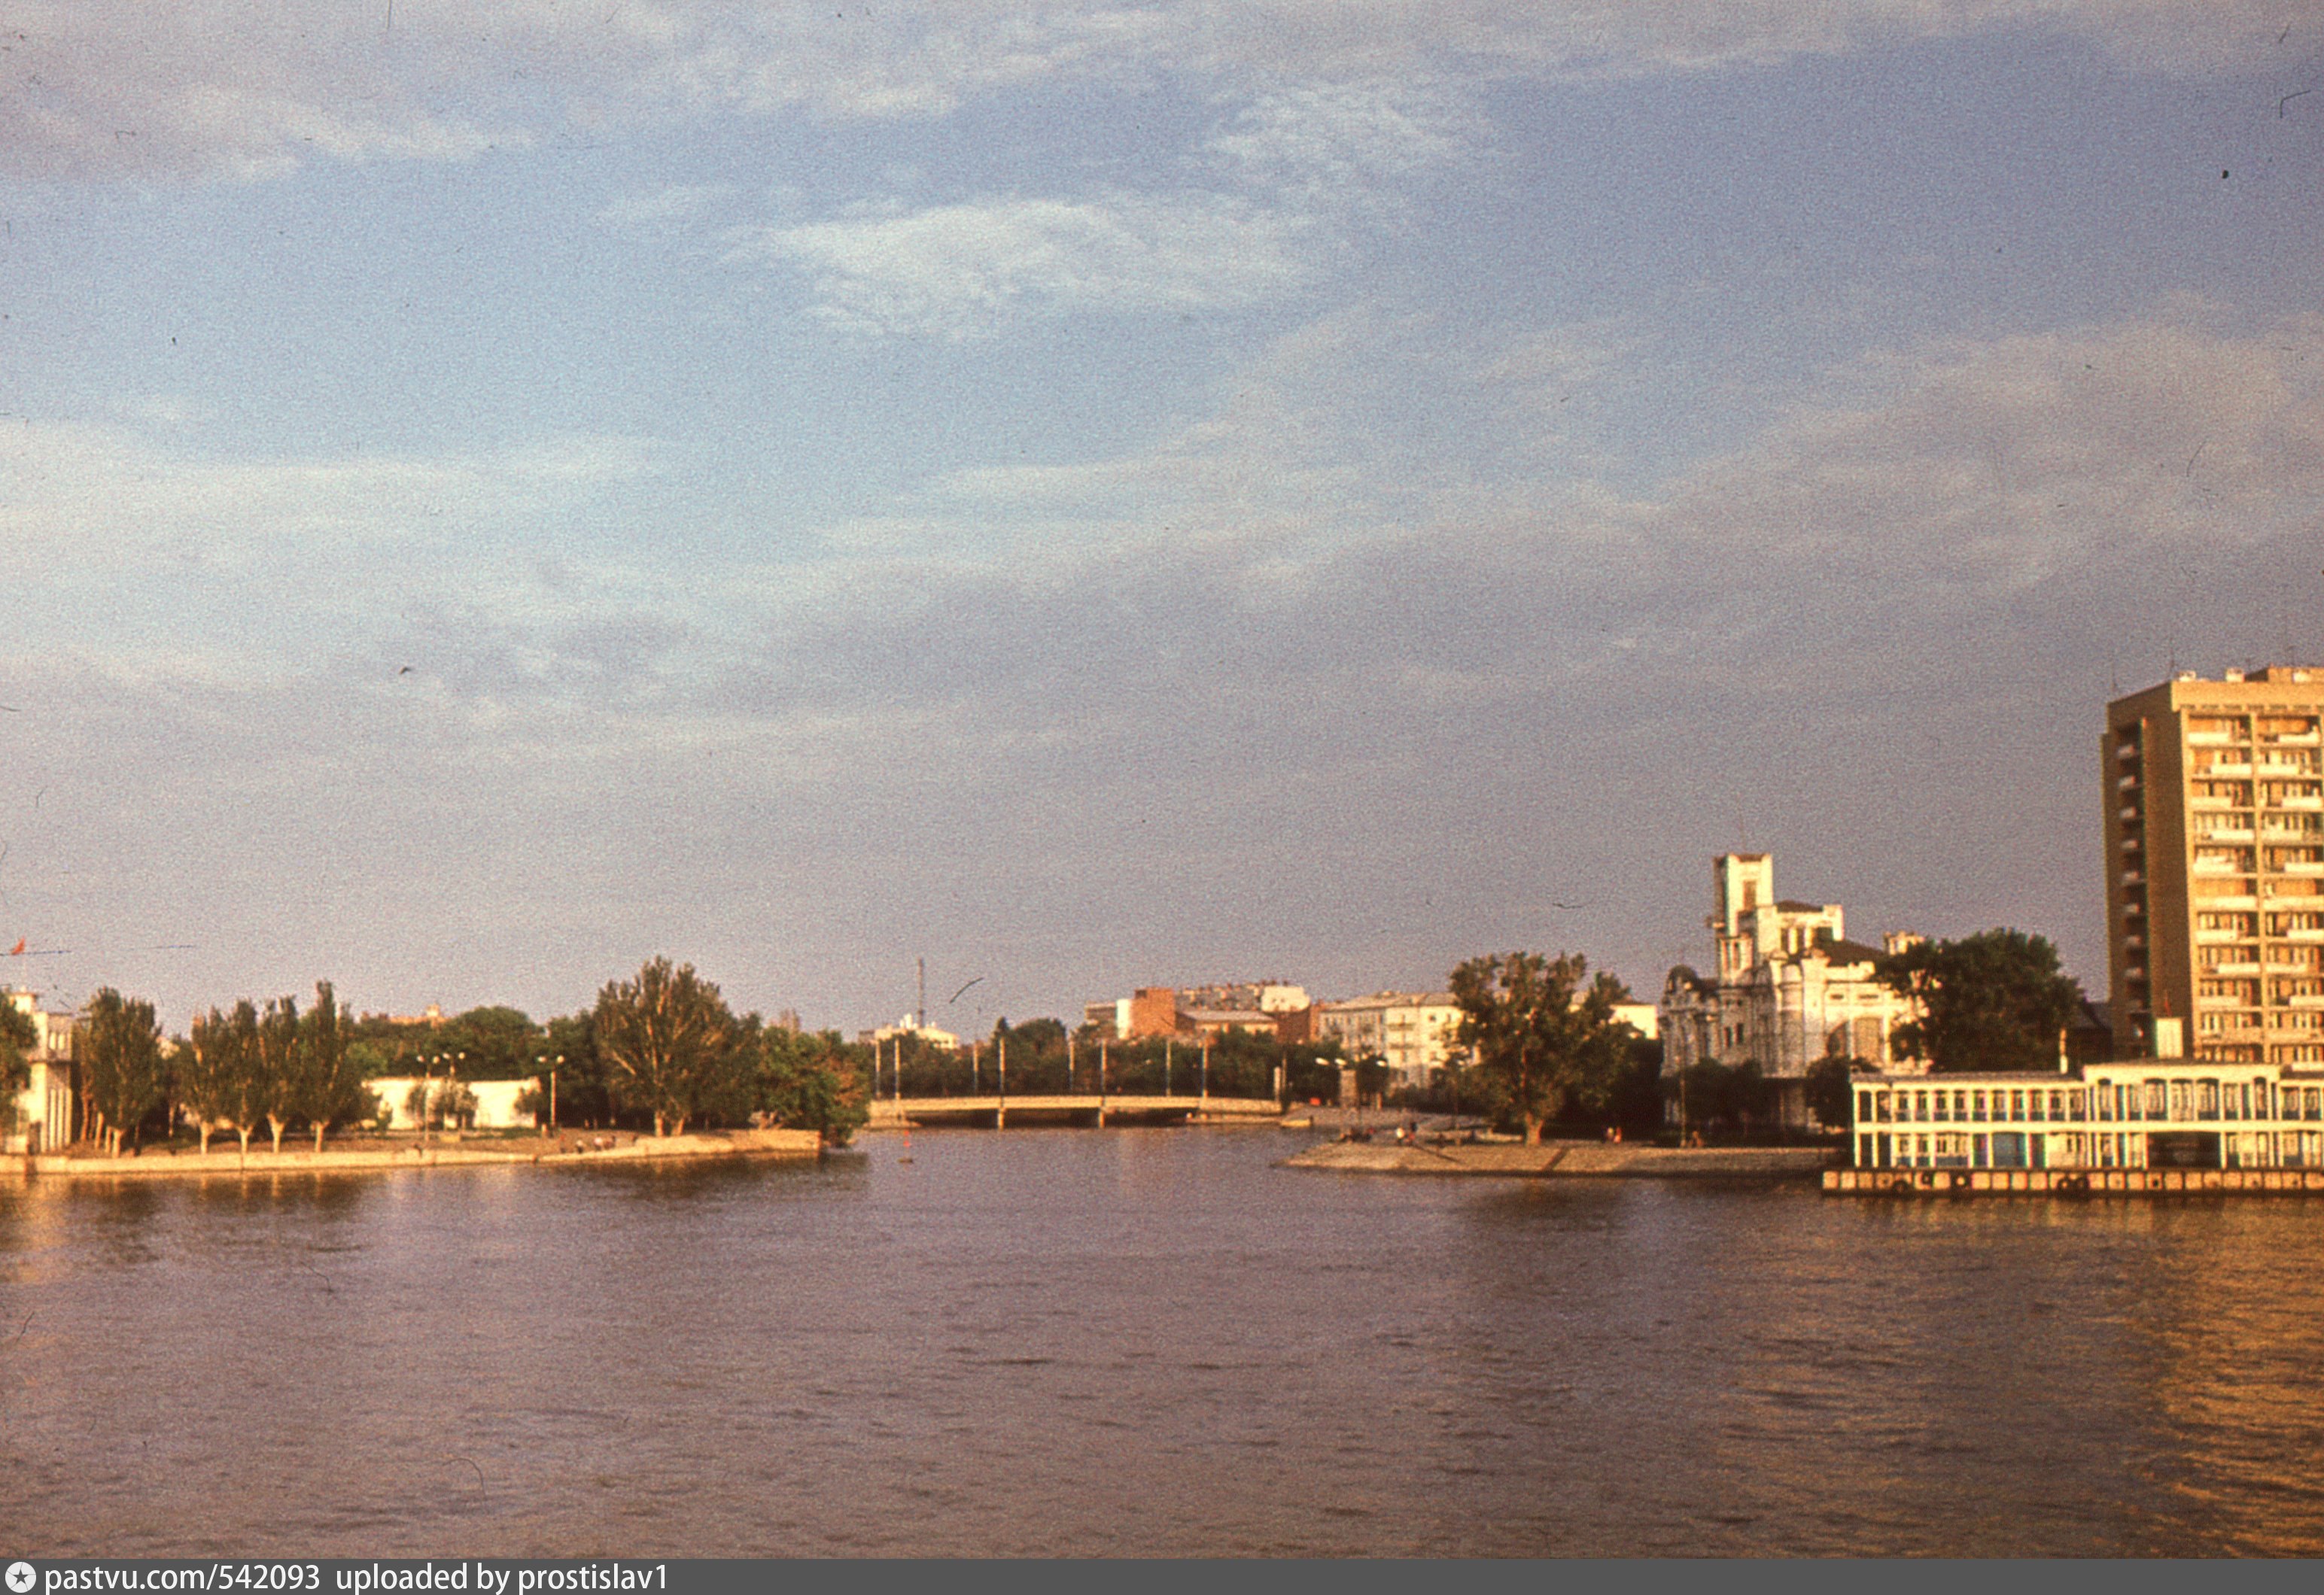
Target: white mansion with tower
<point x="1788" y="988"/>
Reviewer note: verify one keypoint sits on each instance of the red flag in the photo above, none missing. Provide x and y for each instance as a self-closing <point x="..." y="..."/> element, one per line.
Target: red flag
<point x="18" y="950"/>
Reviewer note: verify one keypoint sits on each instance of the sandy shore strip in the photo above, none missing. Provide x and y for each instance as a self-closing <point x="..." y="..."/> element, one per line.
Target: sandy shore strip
<point x="1568" y="1159"/>
<point x="259" y="1160"/>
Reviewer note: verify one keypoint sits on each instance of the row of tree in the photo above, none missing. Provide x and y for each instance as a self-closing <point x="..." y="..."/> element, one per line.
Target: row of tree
<point x="660" y="1049"/>
<point x="237" y="1070"/>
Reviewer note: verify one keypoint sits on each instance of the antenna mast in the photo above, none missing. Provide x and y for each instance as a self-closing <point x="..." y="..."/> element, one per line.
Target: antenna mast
<point x="922" y="1022"/>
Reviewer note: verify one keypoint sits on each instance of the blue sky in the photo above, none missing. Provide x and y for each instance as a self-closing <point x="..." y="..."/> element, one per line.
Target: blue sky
<point x="1109" y="496"/>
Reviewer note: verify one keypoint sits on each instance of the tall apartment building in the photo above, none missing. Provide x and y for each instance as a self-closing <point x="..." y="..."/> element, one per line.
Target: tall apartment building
<point x="2215" y="866"/>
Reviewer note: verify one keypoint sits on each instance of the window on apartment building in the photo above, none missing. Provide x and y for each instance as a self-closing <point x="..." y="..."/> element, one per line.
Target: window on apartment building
<point x="2206" y="1099"/>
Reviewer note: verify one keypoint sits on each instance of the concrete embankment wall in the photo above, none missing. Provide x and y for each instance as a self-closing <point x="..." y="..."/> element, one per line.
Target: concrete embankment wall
<point x="2062" y="1181"/>
<point x="740" y="1143"/>
<point x="1567" y="1160"/>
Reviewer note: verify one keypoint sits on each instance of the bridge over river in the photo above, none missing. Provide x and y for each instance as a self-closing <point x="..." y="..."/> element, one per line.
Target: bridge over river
<point x="895" y="1112"/>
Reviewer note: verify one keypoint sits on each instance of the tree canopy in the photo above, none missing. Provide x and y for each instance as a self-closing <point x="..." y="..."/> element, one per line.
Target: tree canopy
<point x="670" y="1046"/>
<point x="120" y="1053"/>
<point x="222" y="1079"/>
<point x="330" y="1078"/>
<point x="809" y="1081"/>
<point x="18" y="1036"/>
<point x="1991" y="1002"/>
<point x="1544" y="1040"/>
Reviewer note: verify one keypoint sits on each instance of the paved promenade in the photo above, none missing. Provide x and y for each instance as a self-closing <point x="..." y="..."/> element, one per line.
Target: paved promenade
<point x="569" y="1150"/>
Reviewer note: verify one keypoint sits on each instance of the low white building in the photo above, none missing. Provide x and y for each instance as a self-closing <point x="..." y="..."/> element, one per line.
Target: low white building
<point x="491" y="1102"/>
<point x="39" y="1118"/>
<point x="928" y="1034"/>
<point x="2152" y="1113"/>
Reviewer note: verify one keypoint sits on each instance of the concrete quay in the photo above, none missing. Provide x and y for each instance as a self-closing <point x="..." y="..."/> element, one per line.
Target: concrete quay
<point x="1565" y="1159"/>
<point x="2068" y="1182"/>
<point x="164" y="1164"/>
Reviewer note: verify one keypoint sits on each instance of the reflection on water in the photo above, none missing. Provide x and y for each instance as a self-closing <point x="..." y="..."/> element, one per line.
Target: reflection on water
<point x="1143" y="1342"/>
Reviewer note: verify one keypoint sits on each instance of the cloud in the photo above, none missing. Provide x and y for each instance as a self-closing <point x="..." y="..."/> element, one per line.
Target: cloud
<point x="1271" y="696"/>
<point x="120" y="490"/>
<point x="1273" y="191"/>
<point x="955" y="271"/>
<point x="1325" y="143"/>
<point x="206" y="89"/>
<point x="677" y="203"/>
<point x="113" y="88"/>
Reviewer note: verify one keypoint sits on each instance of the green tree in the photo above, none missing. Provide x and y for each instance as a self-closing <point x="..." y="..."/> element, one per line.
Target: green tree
<point x="1831" y="1088"/>
<point x="1713" y="1094"/>
<point x="812" y="1081"/>
<point x="581" y="1094"/>
<point x="1544" y="1040"/>
<point x="1637" y="1097"/>
<point x="18" y="1037"/>
<point x="671" y="1046"/>
<point x="1991" y="1002"/>
<point x="500" y="1043"/>
<point x="222" y="1081"/>
<point x="278" y="1065"/>
<point x="121" y="1054"/>
<point x="331" y="1071"/>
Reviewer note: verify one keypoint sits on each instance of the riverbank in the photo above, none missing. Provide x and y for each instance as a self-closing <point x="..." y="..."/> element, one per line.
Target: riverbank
<point x="1565" y="1158"/>
<point x="567" y="1150"/>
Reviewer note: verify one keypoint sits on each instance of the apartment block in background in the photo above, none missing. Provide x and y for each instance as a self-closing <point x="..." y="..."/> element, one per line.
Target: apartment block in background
<point x="1411" y="1032"/>
<point x="2215" y="867"/>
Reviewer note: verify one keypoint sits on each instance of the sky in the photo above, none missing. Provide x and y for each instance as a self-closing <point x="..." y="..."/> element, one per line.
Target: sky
<point x="1100" y="496"/>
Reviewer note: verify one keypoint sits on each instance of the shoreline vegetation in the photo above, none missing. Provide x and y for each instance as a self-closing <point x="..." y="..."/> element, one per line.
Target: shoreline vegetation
<point x="569" y="1150"/>
<point x="661" y="1051"/>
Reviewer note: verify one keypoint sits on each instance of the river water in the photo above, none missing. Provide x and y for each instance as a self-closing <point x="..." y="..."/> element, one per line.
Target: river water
<point x="1144" y="1342"/>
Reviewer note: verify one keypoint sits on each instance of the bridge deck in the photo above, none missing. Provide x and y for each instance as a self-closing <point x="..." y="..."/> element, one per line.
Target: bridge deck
<point x="892" y="1110"/>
